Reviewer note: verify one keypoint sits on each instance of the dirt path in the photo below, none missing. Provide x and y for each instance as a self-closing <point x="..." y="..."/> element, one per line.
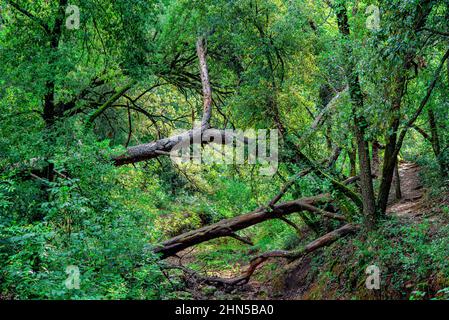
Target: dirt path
<point x="411" y="203"/>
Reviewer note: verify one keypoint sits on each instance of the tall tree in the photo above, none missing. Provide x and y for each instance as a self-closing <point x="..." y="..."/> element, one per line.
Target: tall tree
<point x="360" y="123"/>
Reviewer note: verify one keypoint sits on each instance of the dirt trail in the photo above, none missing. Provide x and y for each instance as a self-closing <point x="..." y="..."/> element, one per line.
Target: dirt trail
<point x="411" y="203"/>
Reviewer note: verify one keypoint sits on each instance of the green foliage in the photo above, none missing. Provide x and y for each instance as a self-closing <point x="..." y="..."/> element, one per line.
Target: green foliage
<point x="272" y="64"/>
<point x="84" y="219"/>
<point x="412" y="260"/>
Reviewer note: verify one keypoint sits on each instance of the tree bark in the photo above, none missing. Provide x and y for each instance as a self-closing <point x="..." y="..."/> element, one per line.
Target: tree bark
<point x="400" y="79"/>
<point x="436" y="145"/>
<point x="228" y="227"/>
<point x="360" y="124"/>
<point x="197" y="135"/>
<point x="376" y="157"/>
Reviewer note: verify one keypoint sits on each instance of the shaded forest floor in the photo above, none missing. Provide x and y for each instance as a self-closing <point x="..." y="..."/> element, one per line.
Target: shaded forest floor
<point x="299" y="279"/>
<point x="412" y="202"/>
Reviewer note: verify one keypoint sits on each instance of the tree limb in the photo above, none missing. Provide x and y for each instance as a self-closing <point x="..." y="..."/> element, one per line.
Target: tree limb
<point x="228" y="227"/>
<point x="204" y="74"/>
<point x="29" y="15"/>
<point x="109" y="103"/>
<point x="423" y="103"/>
<point x="321" y="242"/>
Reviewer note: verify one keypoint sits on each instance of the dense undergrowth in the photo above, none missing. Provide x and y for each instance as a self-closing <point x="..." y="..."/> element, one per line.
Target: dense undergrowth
<point x="73" y="101"/>
<point x="411" y="254"/>
<point x="412" y="260"/>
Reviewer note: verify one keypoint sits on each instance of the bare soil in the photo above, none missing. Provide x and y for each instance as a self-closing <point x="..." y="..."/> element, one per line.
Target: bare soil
<point x="412" y="201"/>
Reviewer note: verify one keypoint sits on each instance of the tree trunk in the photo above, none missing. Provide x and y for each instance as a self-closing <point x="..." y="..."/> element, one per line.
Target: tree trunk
<point x="376" y="157"/>
<point x="360" y="124"/>
<point x="436" y="145"/>
<point x="228" y="227"/>
<point x="390" y="156"/>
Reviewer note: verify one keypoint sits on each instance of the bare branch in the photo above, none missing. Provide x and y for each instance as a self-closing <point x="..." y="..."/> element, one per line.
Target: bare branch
<point x="164" y="146"/>
<point x="207" y="92"/>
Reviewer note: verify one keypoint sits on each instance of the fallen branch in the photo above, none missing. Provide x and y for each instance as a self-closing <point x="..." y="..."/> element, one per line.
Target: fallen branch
<point x="201" y="135"/>
<point x="321" y="242"/>
<point x="228" y="227"/>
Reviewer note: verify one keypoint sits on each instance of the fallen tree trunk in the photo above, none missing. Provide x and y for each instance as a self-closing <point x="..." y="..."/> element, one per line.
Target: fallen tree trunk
<point x="165" y="146"/>
<point x="172" y="145"/>
<point x="201" y="135"/>
<point x="228" y="227"/>
<point x="321" y="242"/>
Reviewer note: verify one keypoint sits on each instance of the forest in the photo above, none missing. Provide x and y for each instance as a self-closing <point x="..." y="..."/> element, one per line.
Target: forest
<point x="224" y="150"/>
